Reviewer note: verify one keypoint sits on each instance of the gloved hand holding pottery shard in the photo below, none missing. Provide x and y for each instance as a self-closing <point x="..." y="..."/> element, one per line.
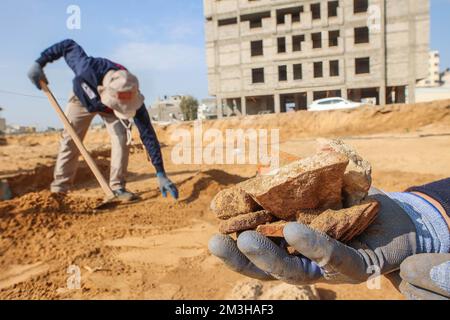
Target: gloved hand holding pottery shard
<point x="312" y="191"/>
<point x="318" y="219"/>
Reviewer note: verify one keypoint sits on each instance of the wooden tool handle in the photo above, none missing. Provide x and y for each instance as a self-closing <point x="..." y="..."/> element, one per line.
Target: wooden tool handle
<point x="84" y="152"/>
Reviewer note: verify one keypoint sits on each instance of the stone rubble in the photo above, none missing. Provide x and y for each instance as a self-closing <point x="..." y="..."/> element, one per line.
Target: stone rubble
<point x="357" y="176"/>
<point x="245" y="222"/>
<point x="327" y="191"/>
<point x="233" y="202"/>
<point x="343" y="225"/>
<point x="311" y="183"/>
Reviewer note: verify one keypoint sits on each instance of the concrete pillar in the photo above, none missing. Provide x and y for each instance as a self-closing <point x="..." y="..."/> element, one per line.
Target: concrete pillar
<point x="277" y="103"/>
<point x="309" y="97"/>
<point x="344" y="93"/>
<point x="219" y="107"/>
<point x="412" y="55"/>
<point x="382" y="93"/>
<point x="412" y="92"/>
<point x="244" y="105"/>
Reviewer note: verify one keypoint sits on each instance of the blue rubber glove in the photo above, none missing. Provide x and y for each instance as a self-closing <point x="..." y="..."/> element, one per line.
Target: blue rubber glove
<point x="36" y="74"/>
<point x="165" y="185"/>
<point x="426" y="277"/>
<point x="381" y="249"/>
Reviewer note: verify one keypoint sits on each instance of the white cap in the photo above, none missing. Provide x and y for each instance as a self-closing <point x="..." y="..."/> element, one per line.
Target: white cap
<point x="120" y="92"/>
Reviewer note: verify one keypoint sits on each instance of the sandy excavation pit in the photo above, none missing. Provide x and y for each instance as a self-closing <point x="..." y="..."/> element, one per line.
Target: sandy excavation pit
<point x="327" y="191"/>
<point x="117" y="250"/>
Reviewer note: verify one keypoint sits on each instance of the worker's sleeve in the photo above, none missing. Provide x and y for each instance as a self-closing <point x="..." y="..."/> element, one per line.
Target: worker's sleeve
<point x="69" y="49"/>
<point x="149" y="138"/>
<point x="438" y="190"/>
<point x="88" y="96"/>
<point x="432" y="232"/>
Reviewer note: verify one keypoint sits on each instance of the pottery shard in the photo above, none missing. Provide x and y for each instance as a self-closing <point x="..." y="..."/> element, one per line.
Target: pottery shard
<point x="343" y="225"/>
<point x="275" y="229"/>
<point x="311" y="183"/>
<point x="245" y="222"/>
<point x="358" y="175"/>
<point x="233" y="202"/>
<point x="272" y="230"/>
<point x="307" y="216"/>
<point x="346" y="224"/>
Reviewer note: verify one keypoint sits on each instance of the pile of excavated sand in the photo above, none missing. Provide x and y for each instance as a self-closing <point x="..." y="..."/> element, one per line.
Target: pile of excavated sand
<point x="47" y="202"/>
<point x="367" y="120"/>
<point x="328" y="191"/>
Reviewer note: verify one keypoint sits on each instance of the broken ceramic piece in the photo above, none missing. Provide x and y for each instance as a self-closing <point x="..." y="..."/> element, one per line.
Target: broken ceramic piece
<point x="343" y="225"/>
<point x="311" y="183"/>
<point x="358" y="175"/>
<point x="233" y="202"/>
<point x="245" y="222"/>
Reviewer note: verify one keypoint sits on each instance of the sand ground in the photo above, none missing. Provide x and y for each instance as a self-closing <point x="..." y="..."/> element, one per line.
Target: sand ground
<point x="157" y="248"/>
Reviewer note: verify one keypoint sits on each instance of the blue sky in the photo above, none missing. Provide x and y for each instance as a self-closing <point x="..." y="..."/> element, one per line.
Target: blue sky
<point x="161" y="41"/>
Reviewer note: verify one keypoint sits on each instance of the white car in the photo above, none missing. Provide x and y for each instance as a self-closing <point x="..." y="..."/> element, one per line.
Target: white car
<point x="333" y="104"/>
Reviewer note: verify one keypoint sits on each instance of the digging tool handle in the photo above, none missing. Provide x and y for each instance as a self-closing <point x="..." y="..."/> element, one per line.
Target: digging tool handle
<point x="84" y="152"/>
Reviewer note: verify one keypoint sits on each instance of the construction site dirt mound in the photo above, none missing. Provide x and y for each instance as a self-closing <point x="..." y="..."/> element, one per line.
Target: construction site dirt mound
<point x="207" y="183"/>
<point x="47" y="202"/>
<point x="365" y="120"/>
<point x="40" y="178"/>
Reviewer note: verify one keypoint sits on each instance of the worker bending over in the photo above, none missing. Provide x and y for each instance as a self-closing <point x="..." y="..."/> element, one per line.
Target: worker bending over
<point x="102" y="87"/>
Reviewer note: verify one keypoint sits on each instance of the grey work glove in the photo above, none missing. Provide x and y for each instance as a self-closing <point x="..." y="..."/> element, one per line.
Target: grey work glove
<point x="165" y="185"/>
<point x="379" y="250"/>
<point x="36" y="74"/>
<point x="426" y="277"/>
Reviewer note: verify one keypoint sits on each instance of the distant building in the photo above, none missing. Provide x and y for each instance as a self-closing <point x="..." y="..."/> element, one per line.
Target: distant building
<point x="433" y="79"/>
<point x="2" y="123"/>
<point x="18" y="129"/>
<point x="207" y="109"/>
<point x="445" y="78"/>
<point x="275" y="56"/>
<point x="166" y="109"/>
<point x="98" y="126"/>
<point x="439" y="92"/>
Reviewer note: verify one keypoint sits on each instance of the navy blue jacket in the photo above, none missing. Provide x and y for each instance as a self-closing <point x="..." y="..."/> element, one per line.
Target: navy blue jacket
<point x="89" y="74"/>
<point x="439" y="191"/>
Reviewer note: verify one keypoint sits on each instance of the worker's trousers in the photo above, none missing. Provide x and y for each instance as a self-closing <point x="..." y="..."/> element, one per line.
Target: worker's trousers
<point x="67" y="161"/>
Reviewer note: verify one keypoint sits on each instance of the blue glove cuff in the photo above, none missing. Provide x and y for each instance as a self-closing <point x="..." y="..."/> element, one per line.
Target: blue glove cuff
<point x="161" y="175"/>
<point x="433" y="235"/>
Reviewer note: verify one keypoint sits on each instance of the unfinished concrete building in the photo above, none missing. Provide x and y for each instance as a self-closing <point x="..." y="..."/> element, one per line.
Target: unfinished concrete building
<point x="269" y="56"/>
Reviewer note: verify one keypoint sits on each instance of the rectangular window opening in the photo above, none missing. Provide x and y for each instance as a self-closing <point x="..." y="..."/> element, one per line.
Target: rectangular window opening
<point x="256" y="48"/>
<point x="316" y="40"/>
<point x="258" y="75"/>
<point x="298" y="72"/>
<point x="227" y="22"/>
<point x="318" y="69"/>
<point x="362" y="65"/>
<point x="334" y="68"/>
<point x="295" y="13"/>
<point x="297" y="42"/>
<point x="333" y="38"/>
<point x="315" y="10"/>
<point x="282" y="73"/>
<point x="362" y="35"/>
<point x="333" y="8"/>
<point x="360" y="6"/>
<point x="281" y="45"/>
